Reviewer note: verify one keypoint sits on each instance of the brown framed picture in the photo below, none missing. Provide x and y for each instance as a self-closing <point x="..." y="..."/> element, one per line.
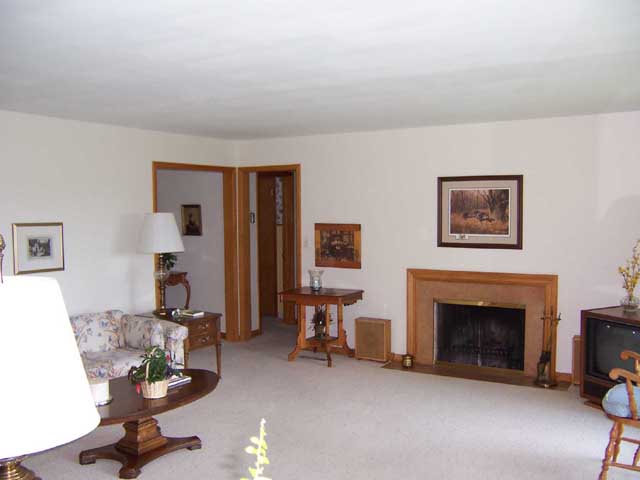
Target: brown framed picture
<point x="337" y="245"/>
<point x="191" y="220"/>
<point x="480" y="211"/>
<point x="37" y="247"/>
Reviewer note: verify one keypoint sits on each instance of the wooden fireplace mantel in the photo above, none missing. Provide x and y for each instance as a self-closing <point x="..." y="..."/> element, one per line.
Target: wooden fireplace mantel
<point x="548" y="290"/>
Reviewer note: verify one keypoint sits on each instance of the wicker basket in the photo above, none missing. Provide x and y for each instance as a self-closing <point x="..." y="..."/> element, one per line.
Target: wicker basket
<point x="155" y="389"/>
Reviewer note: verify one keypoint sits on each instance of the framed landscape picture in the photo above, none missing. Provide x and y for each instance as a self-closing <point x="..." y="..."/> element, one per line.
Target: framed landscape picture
<point x="191" y="220"/>
<point x="480" y="211"/>
<point x="37" y="247"/>
<point x="337" y="245"/>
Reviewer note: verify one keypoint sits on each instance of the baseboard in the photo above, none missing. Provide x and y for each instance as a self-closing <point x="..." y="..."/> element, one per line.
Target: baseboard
<point x="255" y="333"/>
<point x="395" y="357"/>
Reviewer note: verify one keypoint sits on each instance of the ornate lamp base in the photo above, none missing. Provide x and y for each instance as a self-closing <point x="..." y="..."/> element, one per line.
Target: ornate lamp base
<point x="10" y="469"/>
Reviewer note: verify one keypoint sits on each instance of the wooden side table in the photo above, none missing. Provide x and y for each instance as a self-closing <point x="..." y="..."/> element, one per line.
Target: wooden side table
<point x="204" y="332"/>
<point x="304" y="296"/>
<point x="180" y="278"/>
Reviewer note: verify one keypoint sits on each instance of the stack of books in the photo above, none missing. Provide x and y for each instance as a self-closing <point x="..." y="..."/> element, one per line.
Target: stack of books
<point x="176" y="381"/>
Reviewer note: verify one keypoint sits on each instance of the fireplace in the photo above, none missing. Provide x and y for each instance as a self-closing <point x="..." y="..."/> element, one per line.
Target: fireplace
<point x="473" y="333"/>
<point x="494" y="324"/>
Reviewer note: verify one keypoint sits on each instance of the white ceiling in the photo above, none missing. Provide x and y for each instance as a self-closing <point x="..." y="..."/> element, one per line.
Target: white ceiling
<point x="260" y="68"/>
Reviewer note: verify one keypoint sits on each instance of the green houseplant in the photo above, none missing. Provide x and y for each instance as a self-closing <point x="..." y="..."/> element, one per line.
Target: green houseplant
<point x="153" y="374"/>
<point x="170" y="260"/>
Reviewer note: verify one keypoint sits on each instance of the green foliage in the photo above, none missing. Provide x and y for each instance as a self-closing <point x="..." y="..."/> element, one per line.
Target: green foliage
<point x="259" y="449"/>
<point x="170" y="260"/>
<point x="155" y="366"/>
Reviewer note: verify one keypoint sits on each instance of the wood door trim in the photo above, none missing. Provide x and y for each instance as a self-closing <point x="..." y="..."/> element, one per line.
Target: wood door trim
<point x="293" y="167"/>
<point x="190" y="166"/>
<point x="244" y="244"/>
<point x="230" y="215"/>
<point x="244" y="258"/>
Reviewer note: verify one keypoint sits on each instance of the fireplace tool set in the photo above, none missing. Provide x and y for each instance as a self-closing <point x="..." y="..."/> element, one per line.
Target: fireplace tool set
<point x="543" y="377"/>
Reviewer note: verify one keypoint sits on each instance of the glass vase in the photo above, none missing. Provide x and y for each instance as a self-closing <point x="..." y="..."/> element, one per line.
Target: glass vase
<point x="630" y="303"/>
<point x="315" y="279"/>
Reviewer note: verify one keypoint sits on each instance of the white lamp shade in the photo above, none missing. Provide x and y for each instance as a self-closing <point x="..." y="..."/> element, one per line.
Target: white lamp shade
<point x="46" y="400"/>
<point x="160" y="234"/>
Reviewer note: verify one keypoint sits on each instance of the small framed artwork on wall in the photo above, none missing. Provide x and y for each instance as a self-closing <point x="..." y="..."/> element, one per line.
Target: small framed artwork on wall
<point x="37" y="247"/>
<point x="191" y="220"/>
<point x="480" y="211"/>
<point x="337" y="245"/>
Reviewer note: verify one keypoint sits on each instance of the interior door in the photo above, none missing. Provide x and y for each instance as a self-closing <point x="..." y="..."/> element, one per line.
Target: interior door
<point x="267" y="261"/>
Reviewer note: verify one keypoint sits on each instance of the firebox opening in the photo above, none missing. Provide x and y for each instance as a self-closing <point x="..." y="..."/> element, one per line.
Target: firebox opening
<point x="474" y="333"/>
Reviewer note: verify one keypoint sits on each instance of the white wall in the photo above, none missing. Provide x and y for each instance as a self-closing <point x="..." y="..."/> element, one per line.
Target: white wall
<point x="203" y="257"/>
<point x="581" y="202"/>
<point x="581" y="205"/>
<point x="96" y="179"/>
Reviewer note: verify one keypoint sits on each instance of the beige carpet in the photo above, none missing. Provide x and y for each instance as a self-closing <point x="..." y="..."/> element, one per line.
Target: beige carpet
<point x="359" y="421"/>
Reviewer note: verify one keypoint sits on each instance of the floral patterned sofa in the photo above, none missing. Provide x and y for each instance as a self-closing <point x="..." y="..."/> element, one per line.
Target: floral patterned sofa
<point x="111" y="342"/>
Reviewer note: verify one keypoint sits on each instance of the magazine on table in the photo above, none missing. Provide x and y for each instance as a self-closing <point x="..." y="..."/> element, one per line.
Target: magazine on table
<point x="176" y="380"/>
<point x="186" y="313"/>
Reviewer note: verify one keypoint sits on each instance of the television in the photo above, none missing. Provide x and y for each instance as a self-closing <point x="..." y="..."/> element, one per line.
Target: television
<point x="606" y="332"/>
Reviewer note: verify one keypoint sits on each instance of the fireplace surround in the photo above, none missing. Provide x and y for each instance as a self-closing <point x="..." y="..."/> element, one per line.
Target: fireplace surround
<point x="534" y="294"/>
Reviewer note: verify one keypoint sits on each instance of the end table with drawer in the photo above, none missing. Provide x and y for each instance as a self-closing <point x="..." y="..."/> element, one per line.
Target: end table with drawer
<point x="204" y="332"/>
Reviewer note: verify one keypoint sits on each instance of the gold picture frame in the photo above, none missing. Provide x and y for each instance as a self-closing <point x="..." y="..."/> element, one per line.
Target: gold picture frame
<point x="338" y="245"/>
<point x="192" y="220"/>
<point x="37" y="247"/>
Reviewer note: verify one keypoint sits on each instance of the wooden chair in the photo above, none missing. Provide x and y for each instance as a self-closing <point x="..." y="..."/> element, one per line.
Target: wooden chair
<point x="615" y="437"/>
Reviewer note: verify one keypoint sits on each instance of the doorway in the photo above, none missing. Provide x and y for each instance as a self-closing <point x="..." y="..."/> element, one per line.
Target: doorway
<point x="210" y="255"/>
<point x="269" y="244"/>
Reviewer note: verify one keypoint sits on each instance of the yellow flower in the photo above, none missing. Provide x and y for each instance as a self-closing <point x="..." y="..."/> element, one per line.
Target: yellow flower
<point x="631" y="272"/>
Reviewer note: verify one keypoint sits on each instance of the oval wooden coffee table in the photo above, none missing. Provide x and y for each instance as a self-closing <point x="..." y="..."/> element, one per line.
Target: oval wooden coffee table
<point x="142" y="441"/>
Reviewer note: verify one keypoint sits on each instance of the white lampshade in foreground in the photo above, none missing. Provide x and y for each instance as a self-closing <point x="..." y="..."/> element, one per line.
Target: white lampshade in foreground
<point x="160" y="234"/>
<point x="45" y="400"/>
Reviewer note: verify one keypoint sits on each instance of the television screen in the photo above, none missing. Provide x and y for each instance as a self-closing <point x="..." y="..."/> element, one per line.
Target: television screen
<point x="604" y="342"/>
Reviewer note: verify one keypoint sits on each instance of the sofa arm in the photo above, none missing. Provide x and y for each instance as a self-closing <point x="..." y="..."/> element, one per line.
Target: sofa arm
<point x="175" y="337"/>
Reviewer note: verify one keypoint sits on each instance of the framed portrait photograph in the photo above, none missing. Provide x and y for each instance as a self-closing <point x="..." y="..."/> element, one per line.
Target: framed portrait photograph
<point x="191" y="220"/>
<point x="337" y="245"/>
<point x="37" y="247"/>
<point x="480" y="211"/>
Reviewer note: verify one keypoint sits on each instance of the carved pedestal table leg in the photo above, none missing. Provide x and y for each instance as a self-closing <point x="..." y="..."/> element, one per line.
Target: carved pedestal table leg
<point x="141" y="444"/>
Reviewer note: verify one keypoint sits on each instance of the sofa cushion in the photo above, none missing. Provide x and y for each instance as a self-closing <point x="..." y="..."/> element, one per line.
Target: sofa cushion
<point x="111" y="364"/>
<point x="139" y="332"/>
<point x="616" y="401"/>
<point x="98" y="332"/>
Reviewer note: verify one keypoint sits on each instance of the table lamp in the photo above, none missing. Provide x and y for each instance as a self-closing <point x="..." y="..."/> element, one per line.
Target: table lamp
<point x="160" y="235"/>
<point x="46" y="400"/>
